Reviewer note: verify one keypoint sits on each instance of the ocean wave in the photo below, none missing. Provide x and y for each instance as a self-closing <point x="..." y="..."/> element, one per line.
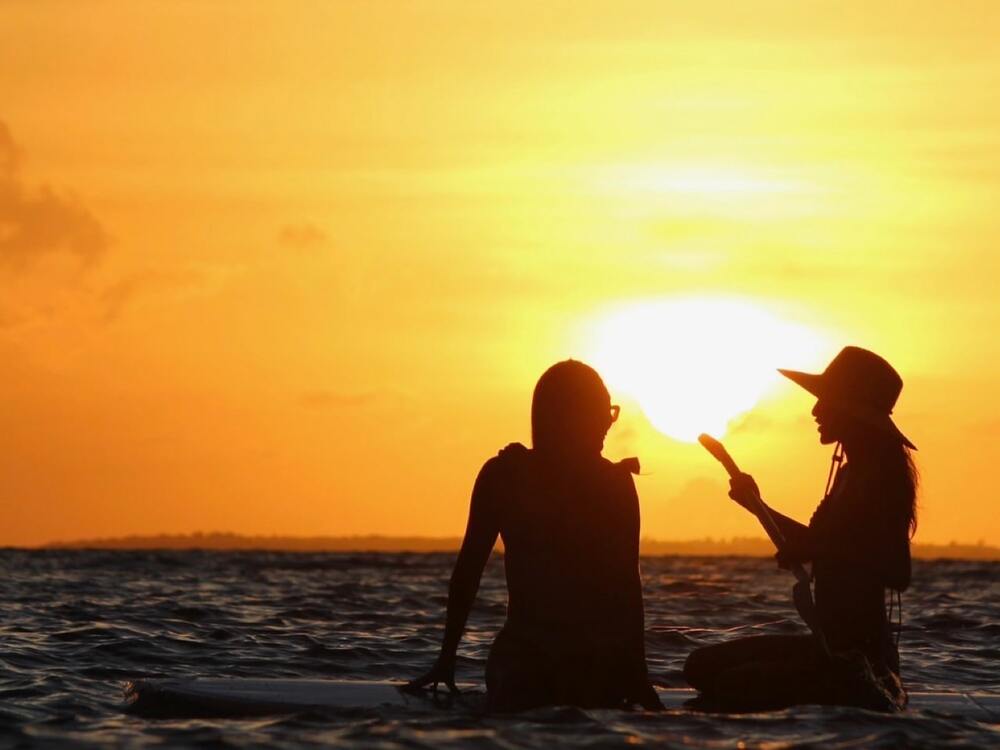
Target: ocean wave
<point x="79" y="623"/>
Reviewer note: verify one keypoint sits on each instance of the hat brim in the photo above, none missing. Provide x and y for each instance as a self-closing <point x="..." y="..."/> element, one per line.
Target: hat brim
<point x="815" y="385"/>
<point x="810" y="381"/>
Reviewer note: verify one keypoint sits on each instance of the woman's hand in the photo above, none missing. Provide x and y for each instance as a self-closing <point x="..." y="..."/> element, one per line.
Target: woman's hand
<point x="743" y="489"/>
<point x="639" y="688"/>
<point x="442" y="671"/>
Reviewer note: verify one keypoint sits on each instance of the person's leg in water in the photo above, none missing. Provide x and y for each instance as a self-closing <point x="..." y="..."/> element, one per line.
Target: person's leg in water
<point x="776" y="671"/>
<point x="593" y="678"/>
<point x="518" y="677"/>
<point x="521" y="676"/>
<point x="758" y="672"/>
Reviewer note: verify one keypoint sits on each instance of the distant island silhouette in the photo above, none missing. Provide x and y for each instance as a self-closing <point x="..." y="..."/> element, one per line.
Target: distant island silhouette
<point x="708" y="547"/>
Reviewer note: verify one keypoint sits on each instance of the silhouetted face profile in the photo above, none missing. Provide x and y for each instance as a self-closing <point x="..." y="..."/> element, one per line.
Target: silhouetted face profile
<point x="834" y="424"/>
<point x="571" y="411"/>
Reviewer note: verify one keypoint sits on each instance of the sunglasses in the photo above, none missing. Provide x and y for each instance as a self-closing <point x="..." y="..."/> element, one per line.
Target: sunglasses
<point x="615" y="411"/>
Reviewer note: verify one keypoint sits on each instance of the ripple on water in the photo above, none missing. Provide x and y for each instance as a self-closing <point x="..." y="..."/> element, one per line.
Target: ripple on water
<point x="78" y="623"/>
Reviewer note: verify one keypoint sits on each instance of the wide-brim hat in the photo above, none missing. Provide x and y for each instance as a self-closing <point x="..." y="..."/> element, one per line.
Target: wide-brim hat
<point x="861" y="383"/>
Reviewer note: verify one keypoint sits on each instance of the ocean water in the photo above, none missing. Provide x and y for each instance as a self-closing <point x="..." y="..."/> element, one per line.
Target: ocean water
<point x="76" y="625"/>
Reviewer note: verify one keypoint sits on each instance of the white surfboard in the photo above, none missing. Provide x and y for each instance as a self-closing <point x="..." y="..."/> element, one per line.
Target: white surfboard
<point x="231" y="697"/>
<point x="251" y="697"/>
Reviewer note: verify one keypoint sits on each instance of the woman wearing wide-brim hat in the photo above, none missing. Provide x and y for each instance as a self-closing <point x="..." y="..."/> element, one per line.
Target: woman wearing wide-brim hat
<point x="858" y="541"/>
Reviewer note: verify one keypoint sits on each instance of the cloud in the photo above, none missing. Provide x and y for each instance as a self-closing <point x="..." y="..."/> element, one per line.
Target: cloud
<point x="10" y="156"/>
<point x="302" y="236"/>
<point x="39" y="222"/>
<point x="752" y="422"/>
<point x="123" y="292"/>
<point x="699" y="490"/>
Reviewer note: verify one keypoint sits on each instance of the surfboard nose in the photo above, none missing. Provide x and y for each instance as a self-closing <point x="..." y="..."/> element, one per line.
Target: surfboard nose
<point x="234" y="697"/>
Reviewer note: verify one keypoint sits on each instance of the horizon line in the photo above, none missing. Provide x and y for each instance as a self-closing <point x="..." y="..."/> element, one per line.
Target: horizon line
<point x="753" y="546"/>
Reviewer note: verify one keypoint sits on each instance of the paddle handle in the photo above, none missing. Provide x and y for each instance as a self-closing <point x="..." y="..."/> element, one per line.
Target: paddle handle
<point x="718" y="450"/>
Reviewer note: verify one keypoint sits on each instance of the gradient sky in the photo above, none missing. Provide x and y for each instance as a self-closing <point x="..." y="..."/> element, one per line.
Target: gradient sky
<point x="294" y="268"/>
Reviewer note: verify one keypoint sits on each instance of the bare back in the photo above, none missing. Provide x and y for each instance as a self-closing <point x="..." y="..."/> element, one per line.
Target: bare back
<point x="571" y="537"/>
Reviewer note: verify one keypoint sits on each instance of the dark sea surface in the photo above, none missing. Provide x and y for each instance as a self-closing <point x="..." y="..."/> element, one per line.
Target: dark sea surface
<point x="76" y="625"/>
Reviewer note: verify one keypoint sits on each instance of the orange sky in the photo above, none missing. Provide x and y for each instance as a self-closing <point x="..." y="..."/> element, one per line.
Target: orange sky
<point x="294" y="268"/>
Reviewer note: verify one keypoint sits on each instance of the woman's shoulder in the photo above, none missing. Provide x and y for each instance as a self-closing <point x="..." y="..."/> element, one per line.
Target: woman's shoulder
<point x="518" y="457"/>
<point x="620" y="470"/>
<point x="511" y="459"/>
<point x="512" y="454"/>
<point x="614" y="479"/>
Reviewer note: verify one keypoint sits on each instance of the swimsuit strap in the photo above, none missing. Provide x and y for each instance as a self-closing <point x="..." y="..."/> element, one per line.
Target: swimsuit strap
<point x="630" y="464"/>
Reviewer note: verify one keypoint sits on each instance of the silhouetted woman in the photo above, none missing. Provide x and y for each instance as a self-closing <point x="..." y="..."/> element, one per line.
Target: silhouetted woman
<point x="858" y="541"/>
<point x="569" y="520"/>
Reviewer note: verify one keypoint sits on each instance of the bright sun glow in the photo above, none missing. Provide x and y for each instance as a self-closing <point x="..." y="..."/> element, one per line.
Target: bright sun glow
<point x="691" y="180"/>
<point x="694" y="365"/>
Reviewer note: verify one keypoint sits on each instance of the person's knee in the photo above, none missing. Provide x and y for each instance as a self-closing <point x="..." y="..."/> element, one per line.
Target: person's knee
<point x="696" y="669"/>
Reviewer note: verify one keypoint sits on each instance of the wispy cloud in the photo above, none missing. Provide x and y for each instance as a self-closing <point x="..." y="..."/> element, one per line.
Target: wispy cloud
<point x="123" y="292"/>
<point x="35" y="222"/>
<point x="302" y="236"/>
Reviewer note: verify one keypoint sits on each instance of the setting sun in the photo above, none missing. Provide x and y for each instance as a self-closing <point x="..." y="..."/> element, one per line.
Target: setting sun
<point x="693" y="365"/>
<point x="340" y="242"/>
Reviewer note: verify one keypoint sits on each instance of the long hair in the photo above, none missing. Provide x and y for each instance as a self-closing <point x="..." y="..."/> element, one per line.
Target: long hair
<point x="898" y="478"/>
<point x="912" y="485"/>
